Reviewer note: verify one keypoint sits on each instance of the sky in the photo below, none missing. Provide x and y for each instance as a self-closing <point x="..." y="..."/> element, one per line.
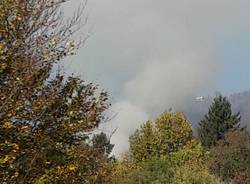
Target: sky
<point x="151" y="55"/>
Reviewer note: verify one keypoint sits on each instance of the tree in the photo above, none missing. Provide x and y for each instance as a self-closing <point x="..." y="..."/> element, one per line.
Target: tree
<point x="153" y="170"/>
<point x="46" y="121"/>
<point x="165" y="151"/>
<point x="217" y="122"/>
<point x="231" y="156"/>
<point x="190" y="165"/>
<point x="102" y="143"/>
<point x="194" y="174"/>
<point x="241" y="178"/>
<point x="143" y="143"/>
<point x="187" y="165"/>
<point x="167" y="134"/>
<point x="51" y="137"/>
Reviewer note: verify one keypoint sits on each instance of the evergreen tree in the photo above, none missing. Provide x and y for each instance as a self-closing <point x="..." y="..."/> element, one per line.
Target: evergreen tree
<point x="217" y="122"/>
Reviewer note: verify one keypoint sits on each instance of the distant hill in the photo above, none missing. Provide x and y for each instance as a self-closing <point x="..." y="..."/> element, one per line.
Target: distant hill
<point x="240" y="103"/>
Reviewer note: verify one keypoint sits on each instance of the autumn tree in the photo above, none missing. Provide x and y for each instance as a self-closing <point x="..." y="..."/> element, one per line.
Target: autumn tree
<point x="196" y="174"/>
<point x="184" y="166"/>
<point x="230" y="158"/>
<point x="167" y="134"/>
<point x="190" y="165"/>
<point x="46" y="122"/>
<point x="143" y="143"/>
<point x="217" y="122"/>
<point x="165" y="151"/>
<point x="150" y="171"/>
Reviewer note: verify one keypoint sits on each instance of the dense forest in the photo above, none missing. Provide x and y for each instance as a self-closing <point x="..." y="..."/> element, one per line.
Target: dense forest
<point x="48" y="122"/>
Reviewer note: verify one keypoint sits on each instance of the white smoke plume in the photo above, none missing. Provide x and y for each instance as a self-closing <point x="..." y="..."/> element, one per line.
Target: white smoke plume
<point x="154" y="54"/>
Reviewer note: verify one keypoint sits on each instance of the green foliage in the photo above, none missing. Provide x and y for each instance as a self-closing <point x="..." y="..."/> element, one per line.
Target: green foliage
<point x="231" y="156"/>
<point x="217" y="122"/>
<point x="191" y="153"/>
<point x="190" y="165"/>
<point x="185" y="166"/>
<point x="46" y="121"/>
<point x="165" y="151"/>
<point x="153" y="171"/>
<point x="143" y="143"/>
<point x="168" y="133"/>
<point x="50" y="137"/>
<point x="194" y="174"/>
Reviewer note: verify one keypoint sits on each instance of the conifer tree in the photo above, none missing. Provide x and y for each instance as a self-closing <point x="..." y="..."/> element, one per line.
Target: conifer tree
<point x="217" y="122"/>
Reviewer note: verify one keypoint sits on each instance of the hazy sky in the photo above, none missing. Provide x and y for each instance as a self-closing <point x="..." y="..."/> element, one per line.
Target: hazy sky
<point x="155" y="54"/>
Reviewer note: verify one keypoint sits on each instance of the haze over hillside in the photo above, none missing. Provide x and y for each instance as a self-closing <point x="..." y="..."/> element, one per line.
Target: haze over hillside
<point x="240" y="103"/>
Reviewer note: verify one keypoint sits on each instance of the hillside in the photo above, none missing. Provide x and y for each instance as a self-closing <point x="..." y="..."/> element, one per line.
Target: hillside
<point x="240" y="103"/>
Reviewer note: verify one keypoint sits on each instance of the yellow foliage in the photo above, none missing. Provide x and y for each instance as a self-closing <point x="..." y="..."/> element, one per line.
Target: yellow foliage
<point x="8" y="125"/>
<point x="167" y="134"/>
<point x="191" y="153"/>
<point x="196" y="174"/>
<point x="5" y="159"/>
<point x="72" y="167"/>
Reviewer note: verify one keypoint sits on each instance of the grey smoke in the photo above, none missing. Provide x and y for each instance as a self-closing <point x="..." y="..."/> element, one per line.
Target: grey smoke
<point x="155" y="54"/>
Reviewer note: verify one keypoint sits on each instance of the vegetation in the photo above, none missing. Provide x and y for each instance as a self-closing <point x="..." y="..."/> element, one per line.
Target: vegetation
<point x="217" y="122"/>
<point x="48" y="122"/>
<point x="167" y="134"/>
<point x="162" y="152"/>
<point x="241" y="178"/>
<point x="45" y="122"/>
<point x="231" y="156"/>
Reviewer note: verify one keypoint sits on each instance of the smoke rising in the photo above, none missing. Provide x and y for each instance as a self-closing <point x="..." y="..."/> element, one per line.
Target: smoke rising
<point x="155" y="54"/>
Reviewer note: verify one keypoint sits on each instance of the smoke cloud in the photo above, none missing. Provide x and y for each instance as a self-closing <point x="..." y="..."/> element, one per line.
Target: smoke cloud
<point x="155" y="54"/>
